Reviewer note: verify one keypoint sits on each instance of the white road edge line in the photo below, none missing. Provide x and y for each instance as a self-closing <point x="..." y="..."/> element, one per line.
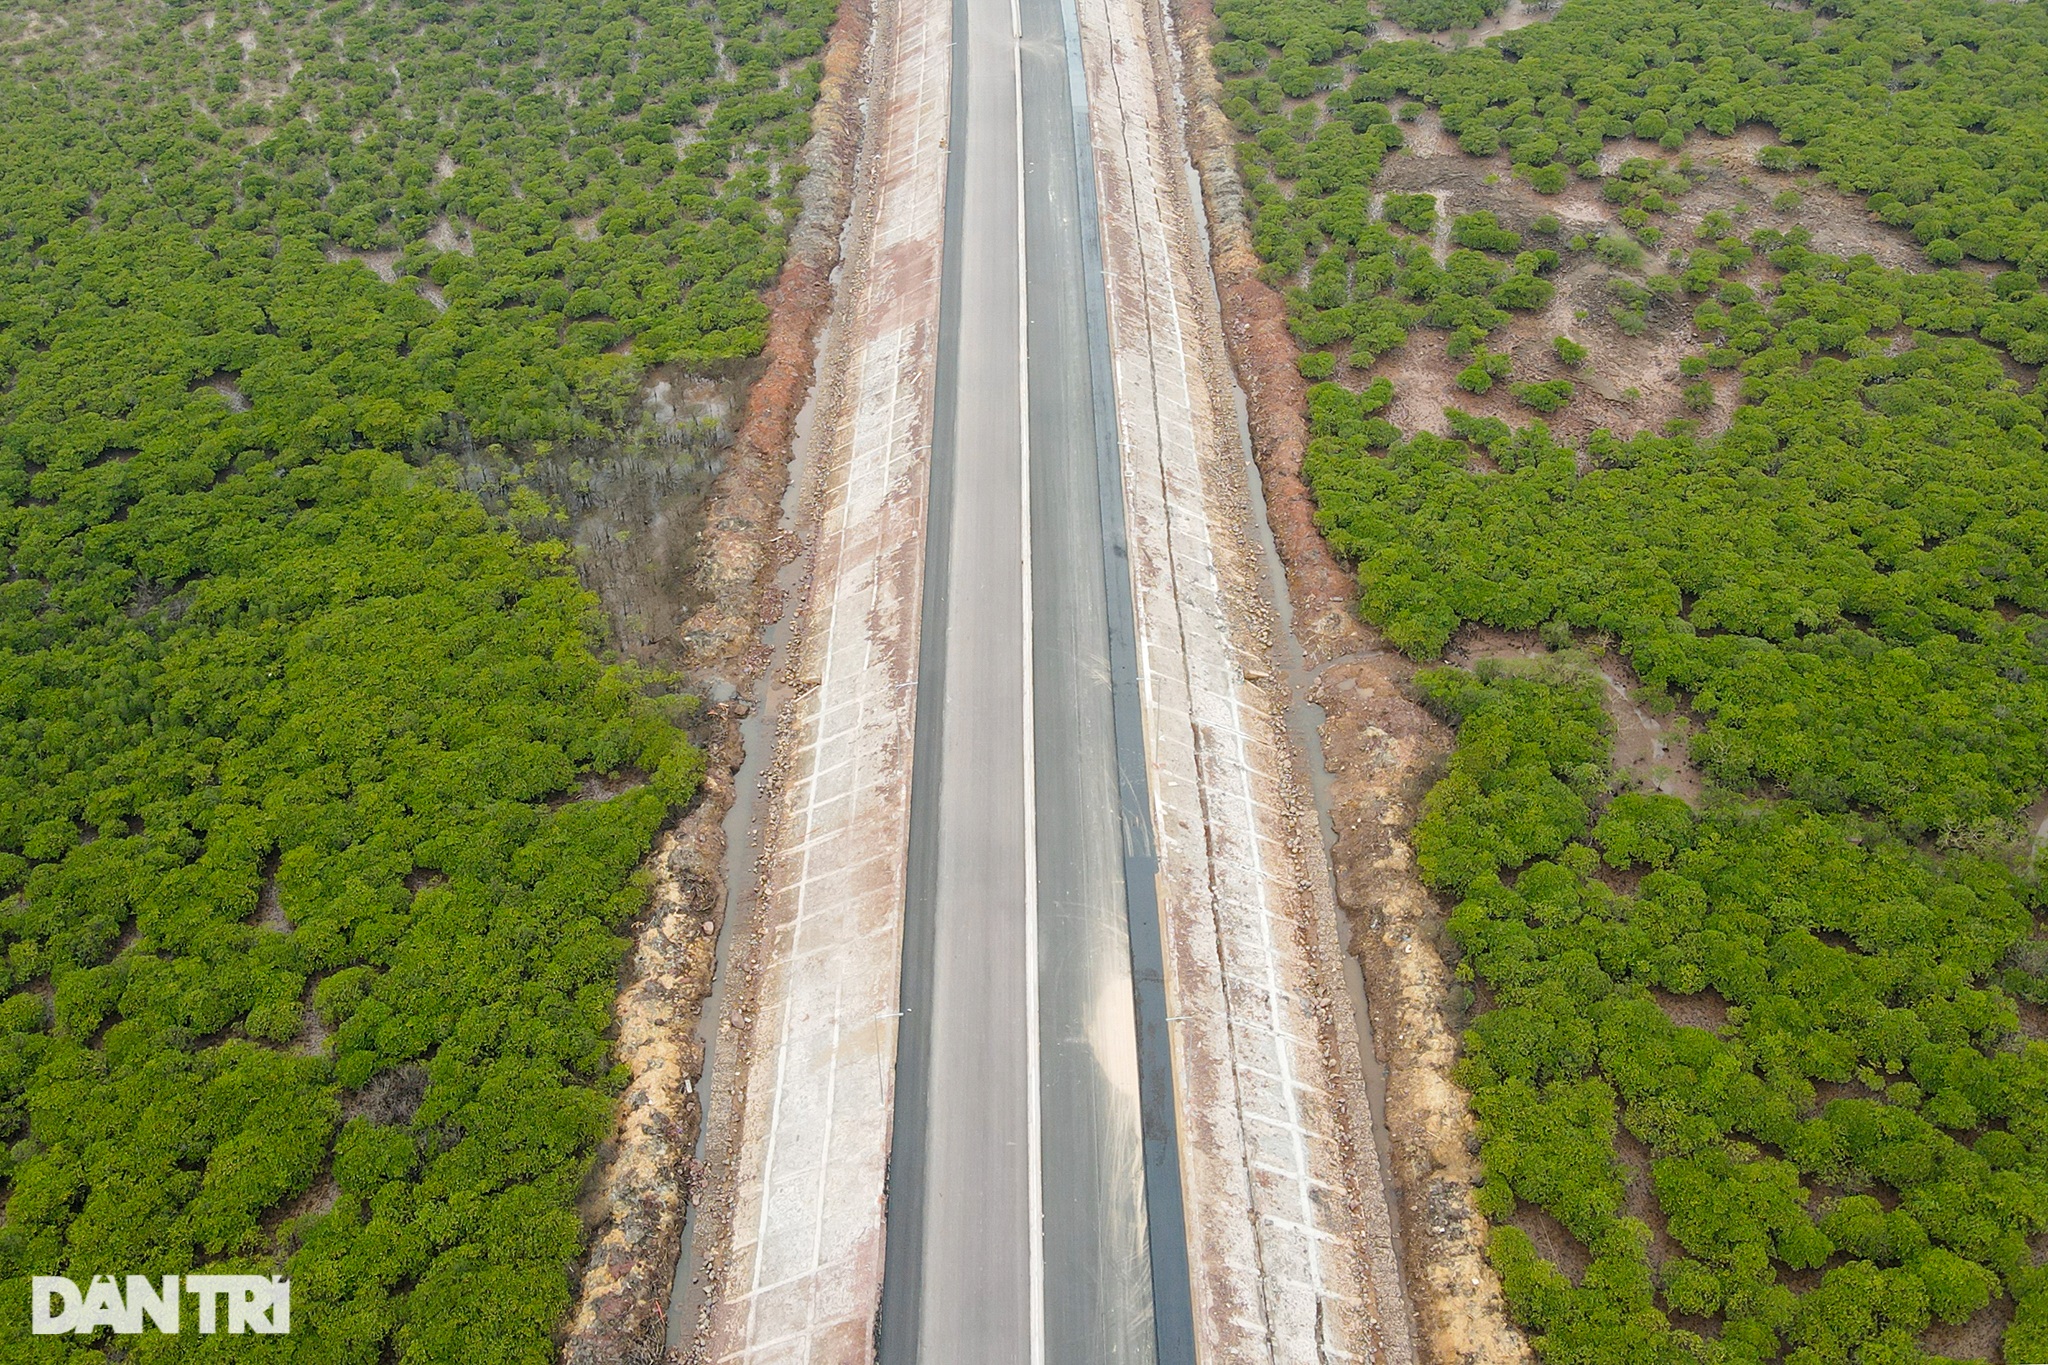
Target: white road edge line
<point x="1034" y="1134"/>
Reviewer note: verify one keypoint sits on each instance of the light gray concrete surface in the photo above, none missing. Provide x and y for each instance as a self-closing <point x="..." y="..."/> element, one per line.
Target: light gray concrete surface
<point x="803" y="1110"/>
<point x="963" y="1269"/>
<point x="1288" y="1235"/>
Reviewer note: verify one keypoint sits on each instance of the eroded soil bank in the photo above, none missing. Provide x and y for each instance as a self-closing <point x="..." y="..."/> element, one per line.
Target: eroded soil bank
<point x="634" y="1203"/>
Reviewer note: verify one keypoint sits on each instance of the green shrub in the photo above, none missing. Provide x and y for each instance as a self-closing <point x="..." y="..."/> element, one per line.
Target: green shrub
<point x="1549" y="396"/>
<point x="1483" y="232"/>
<point x="1416" y="212"/>
<point x="1575" y="1046"/>
<point x="1844" y="589"/>
<point x="1619" y="252"/>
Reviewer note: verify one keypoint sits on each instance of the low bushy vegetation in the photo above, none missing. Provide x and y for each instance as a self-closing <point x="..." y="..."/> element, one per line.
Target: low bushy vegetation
<point x="1936" y="113"/>
<point x="320" y="804"/>
<point x="1843" y="581"/>
<point x="1848" y="584"/>
<point x="1858" y="1150"/>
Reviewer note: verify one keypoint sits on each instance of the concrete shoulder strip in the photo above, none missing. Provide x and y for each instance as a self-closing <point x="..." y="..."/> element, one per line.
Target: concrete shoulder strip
<point x="801" y="1280"/>
<point x="1288" y="1233"/>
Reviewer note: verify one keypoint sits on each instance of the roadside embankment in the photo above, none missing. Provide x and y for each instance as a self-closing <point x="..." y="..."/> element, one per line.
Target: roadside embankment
<point x="1383" y="751"/>
<point x="635" y="1202"/>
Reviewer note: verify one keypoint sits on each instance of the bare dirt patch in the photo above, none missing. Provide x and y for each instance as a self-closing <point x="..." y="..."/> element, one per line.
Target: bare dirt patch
<point x="1701" y="1010"/>
<point x="30" y="26"/>
<point x="1639" y="1200"/>
<point x="313" y="1030"/>
<point x="390" y="1097"/>
<point x="2033" y="1020"/>
<point x="1473" y="643"/>
<point x="1628" y="384"/>
<point x="270" y="908"/>
<point x="1981" y="1338"/>
<point x="1650" y="749"/>
<point x="445" y="236"/>
<point x="382" y="264"/>
<point x="1553" y="1243"/>
<point x="318" y="1199"/>
<point x="224" y="385"/>
<point x="1516" y="15"/>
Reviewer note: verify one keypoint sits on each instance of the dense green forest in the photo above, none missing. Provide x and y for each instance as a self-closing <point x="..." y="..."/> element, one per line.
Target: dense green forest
<point x="1854" y="1154"/>
<point x="1843" y="582"/>
<point x="320" y="802"/>
<point x="1937" y="111"/>
<point x="1848" y="1159"/>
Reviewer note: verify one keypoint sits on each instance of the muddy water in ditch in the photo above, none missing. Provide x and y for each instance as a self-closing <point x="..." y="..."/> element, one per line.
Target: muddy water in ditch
<point x="758" y="730"/>
<point x="1304" y="722"/>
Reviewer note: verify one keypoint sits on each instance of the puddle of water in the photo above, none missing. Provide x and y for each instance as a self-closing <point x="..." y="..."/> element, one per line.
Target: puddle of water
<point x="1649" y="749"/>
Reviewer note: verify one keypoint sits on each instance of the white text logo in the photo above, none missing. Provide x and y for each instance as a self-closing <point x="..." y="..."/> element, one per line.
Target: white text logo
<point x="254" y="1303"/>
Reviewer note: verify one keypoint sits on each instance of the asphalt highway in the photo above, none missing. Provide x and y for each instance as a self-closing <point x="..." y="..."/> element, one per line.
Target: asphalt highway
<point x="1020" y="1184"/>
<point x="962" y="1272"/>
<point x="1097" y="1264"/>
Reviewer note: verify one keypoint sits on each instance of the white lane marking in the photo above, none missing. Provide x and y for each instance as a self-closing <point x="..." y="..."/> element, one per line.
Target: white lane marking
<point x="1034" y="1135"/>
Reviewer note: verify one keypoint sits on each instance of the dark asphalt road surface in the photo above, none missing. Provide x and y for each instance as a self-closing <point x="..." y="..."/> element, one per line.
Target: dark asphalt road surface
<point x="1030" y="827"/>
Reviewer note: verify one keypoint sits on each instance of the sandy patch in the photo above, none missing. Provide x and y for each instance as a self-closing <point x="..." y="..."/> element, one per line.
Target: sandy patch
<point x="1628" y="383"/>
<point x="444" y="236"/>
<point x="1516" y="15"/>
<point x="382" y="264"/>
